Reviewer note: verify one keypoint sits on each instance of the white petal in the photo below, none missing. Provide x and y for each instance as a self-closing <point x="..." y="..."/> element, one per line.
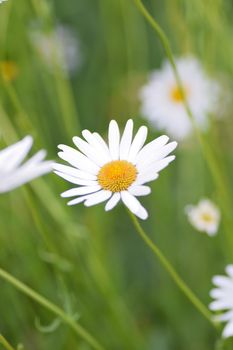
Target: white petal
<point x="24" y="174"/>
<point x="77" y="159"/>
<point x="156" y="166"/>
<point x="227" y="316"/>
<point x="98" y="197"/>
<point x="73" y="172"/>
<point x="157" y="156"/>
<point x="130" y="201"/>
<point x="89" y="151"/>
<point x="146" y="177"/>
<point x="80" y="191"/>
<point x="142" y="213"/>
<point x="164" y="151"/>
<point x="228" y="330"/>
<point x="114" y="139"/>
<point x="113" y="201"/>
<point x="221" y="304"/>
<point x="13" y="155"/>
<point x="229" y="270"/>
<point x="97" y="143"/>
<point x="37" y="158"/>
<point x="126" y="140"/>
<point x="136" y="190"/>
<point x="222" y="281"/>
<point x="137" y="143"/>
<point x="75" y="180"/>
<point x="101" y="141"/>
<point x="77" y="200"/>
<point x="151" y="148"/>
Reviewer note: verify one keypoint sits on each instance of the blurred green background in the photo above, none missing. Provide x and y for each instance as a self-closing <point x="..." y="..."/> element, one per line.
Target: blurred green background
<point x="90" y="262"/>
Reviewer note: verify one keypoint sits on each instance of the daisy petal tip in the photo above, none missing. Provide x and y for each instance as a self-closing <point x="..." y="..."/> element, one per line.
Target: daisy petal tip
<point x="28" y="138"/>
<point x="143" y="216"/>
<point x="61" y="146"/>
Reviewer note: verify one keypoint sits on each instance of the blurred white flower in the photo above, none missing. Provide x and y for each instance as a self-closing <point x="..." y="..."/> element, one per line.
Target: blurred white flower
<point x="14" y="174"/>
<point x="223" y="300"/>
<point x="205" y="216"/>
<point x="2" y="1"/>
<point x="162" y="102"/>
<point x="59" y="46"/>
<point x="114" y="172"/>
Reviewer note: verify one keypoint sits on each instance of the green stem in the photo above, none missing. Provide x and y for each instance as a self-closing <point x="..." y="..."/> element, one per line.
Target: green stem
<point x="219" y="178"/>
<point x="5" y="343"/>
<point x="172" y="272"/>
<point x="79" y="330"/>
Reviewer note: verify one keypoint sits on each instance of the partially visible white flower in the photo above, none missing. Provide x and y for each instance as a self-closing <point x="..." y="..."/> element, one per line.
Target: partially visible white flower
<point x="162" y="101"/>
<point x="114" y="171"/>
<point x="205" y="216"/>
<point x="223" y="300"/>
<point x="13" y="173"/>
<point x="59" y="46"/>
<point x="2" y="1"/>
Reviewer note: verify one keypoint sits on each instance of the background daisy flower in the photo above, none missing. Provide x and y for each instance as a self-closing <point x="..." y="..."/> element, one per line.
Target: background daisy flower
<point x="223" y="300"/>
<point x="8" y="70"/>
<point x="13" y="173"/>
<point x="205" y="216"/>
<point x="58" y="46"/>
<point x="162" y="101"/>
<point x="114" y="172"/>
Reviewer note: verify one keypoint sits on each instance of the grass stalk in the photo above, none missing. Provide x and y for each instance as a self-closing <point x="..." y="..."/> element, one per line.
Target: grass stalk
<point x="172" y="272"/>
<point x="67" y="319"/>
<point x="217" y="174"/>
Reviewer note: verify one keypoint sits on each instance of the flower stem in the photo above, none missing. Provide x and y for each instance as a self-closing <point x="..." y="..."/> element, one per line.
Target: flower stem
<point x="79" y="330"/>
<point x="172" y="272"/>
<point x="215" y="169"/>
<point x="5" y="343"/>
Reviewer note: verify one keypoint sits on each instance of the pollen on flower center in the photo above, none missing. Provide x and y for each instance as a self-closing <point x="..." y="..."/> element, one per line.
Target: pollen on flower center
<point x="207" y="217"/>
<point x="176" y="94"/>
<point x="117" y="175"/>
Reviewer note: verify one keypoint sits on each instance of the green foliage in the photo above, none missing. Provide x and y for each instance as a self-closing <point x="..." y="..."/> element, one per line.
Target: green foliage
<point x="87" y="261"/>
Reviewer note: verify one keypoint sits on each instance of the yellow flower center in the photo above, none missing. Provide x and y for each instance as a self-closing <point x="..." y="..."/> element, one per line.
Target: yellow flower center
<point x="207" y="217"/>
<point x="117" y="175"/>
<point x="8" y="70"/>
<point x="176" y="94"/>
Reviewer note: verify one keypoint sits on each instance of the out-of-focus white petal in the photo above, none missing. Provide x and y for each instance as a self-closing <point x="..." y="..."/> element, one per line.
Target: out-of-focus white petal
<point x="12" y="156"/>
<point x="13" y="173"/>
<point x="223" y="301"/>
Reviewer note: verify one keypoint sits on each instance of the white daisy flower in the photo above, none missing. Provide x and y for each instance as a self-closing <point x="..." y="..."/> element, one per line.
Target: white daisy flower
<point x="223" y="300"/>
<point x="13" y="173"/>
<point x="162" y="102"/>
<point x="205" y="216"/>
<point x="113" y="172"/>
<point x="59" y="46"/>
